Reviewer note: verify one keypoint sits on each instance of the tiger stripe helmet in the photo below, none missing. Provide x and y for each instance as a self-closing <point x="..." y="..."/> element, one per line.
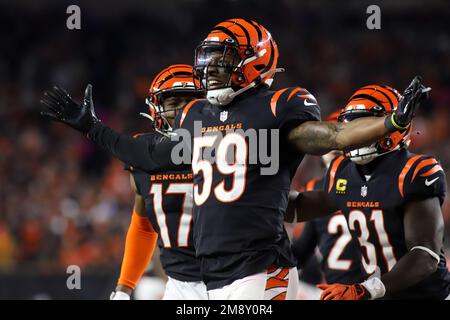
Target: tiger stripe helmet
<point x="175" y="80"/>
<point x="374" y="100"/>
<point x="254" y="57"/>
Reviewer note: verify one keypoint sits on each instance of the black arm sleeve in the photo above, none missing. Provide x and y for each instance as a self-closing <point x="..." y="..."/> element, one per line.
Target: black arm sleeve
<point x="143" y="154"/>
<point x="303" y="247"/>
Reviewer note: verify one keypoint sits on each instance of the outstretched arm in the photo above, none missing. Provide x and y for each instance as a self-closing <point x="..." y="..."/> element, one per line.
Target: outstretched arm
<point x="309" y="205"/>
<point x="143" y="154"/>
<point x="319" y="138"/>
<point x="322" y="137"/>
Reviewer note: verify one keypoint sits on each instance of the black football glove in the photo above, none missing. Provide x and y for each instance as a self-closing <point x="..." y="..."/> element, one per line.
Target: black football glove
<point x="407" y="105"/>
<point x="59" y="106"/>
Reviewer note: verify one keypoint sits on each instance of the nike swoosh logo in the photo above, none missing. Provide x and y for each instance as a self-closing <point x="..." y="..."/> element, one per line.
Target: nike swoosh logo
<point x="429" y="183"/>
<point x="309" y="103"/>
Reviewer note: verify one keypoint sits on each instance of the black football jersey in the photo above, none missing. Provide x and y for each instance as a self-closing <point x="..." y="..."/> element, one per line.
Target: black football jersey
<point x="341" y="258"/>
<point x="238" y="211"/>
<point x="168" y="205"/>
<point x="374" y="208"/>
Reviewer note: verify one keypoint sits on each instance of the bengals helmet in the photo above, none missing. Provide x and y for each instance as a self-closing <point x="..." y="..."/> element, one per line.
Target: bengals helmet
<point x="378" y="101"/>
<point x="176" y="80"/>
<point x="244" y="50"/>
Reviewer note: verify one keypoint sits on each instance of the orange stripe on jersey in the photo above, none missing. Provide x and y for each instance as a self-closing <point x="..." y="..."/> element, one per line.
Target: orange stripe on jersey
<point x="311" y="184"/>
<point x="333" y="170"/>
<point x="274" y="100"/>
<point x="422" y="164"/>
<point x="293" y="92"/>
<point x="185" y="110"/>
<point x="401" y="177"/>
<point x="433" y="170"/>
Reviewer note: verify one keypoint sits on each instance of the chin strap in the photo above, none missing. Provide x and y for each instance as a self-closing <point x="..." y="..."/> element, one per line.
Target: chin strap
<point x="226" y="95"/>
<point x="167" y="133"/>
<point x="253" y="83"/>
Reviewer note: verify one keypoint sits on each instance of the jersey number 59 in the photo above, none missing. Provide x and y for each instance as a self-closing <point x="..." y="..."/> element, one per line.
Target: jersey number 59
<point x="238" y="168"/>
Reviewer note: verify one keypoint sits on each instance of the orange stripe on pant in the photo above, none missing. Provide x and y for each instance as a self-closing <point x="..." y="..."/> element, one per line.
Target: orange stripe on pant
<point x="278" y="283"/>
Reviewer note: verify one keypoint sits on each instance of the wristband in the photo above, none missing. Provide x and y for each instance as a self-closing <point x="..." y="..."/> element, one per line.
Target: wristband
<point x="392" y="126"/>
<point x="375" y="287"/>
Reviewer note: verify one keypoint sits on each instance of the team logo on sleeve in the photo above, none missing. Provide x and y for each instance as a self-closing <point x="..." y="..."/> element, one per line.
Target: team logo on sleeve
<point x="341" y="186"/>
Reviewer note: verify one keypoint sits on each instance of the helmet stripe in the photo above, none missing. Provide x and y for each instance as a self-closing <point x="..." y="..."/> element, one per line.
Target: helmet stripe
<point x="387" y="97"/>
<point x="391" y="90"/>
<point x="271" y="59"/>
<point x="260" y="39"/>
<point x="258" y="30"/>
<point x="227" y="32"/>
<point x="368" y="97"/>
<point x="247" y="35"/>
<point x="382" y="90"/>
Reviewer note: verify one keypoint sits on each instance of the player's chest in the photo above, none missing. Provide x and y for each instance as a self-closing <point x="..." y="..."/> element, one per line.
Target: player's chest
<point x="167" y="193"/>
<point x="369" y="202"/>
<point x="246" y="117"/>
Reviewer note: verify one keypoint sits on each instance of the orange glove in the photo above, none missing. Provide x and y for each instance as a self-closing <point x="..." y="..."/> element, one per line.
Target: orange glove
<point x="338" y="291"/>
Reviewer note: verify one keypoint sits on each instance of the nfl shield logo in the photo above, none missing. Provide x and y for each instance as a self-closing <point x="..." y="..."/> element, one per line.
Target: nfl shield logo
<point x="363" y="191"/>
<point x="223" y="115"/>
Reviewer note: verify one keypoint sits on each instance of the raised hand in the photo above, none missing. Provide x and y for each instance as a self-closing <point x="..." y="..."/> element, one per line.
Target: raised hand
<point x="59" y="106"/>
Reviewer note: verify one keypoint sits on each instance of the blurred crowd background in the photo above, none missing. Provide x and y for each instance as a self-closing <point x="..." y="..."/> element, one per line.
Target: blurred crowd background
<point x="64" y="202"/>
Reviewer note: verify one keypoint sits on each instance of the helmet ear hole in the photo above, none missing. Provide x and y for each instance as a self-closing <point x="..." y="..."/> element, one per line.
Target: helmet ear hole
<point x="241" y="78"/>
<point x="249" y="52"/>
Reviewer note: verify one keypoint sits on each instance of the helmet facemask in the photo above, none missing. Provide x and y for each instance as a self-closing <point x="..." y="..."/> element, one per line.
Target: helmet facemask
<point x="218" y="65"/>
<point x="162" y="116"/>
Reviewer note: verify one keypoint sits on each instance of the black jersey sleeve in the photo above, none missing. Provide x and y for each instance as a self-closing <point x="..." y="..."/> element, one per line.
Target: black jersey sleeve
<point x="295" y="105"/>
<point x="426" y="179"/>
<point x="303" y="247"/>
<point x="147" y="155"/>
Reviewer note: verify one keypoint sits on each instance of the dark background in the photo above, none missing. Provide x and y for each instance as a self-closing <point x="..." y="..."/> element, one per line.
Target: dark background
<point x="63" y="202"/>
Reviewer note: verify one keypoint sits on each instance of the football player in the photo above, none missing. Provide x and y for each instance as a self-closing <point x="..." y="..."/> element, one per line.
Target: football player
<point x="341" y="260"/>
<point x="392" y="201"/>
<point x="163" y="202"/>
<point x="238" y="212"/>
